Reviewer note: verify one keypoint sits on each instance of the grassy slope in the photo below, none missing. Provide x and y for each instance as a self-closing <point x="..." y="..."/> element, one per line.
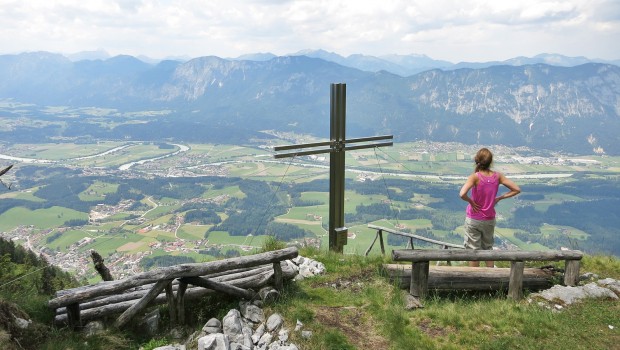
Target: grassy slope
<point x="353" y="306"/>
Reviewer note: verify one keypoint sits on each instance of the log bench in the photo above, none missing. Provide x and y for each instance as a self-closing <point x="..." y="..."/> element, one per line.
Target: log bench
<point x="420" y="265"/>
<point x="171" y="285"/>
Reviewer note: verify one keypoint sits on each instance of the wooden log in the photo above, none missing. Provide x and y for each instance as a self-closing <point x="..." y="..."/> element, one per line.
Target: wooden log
<point x="372" y="244"/>
<point x="140" y="291"/>
<point x="172" y="305"/>
<point x="249" y="280"/>
<point x="220" y="287"/>
<point x="103" y="270"/>
<point x="571" y="272"/>
<point x="181" y="302"/>
<point x="515" y="284"/>
<point x="419" y="280"/>
<point x="277" y="276"/>
<point x="168" y="273"/>
<point x="380" y="232"/>
<point x="445" y="278"/>
<point x="73" y="316"/>
<point x="141" y="304"/>
<point x="484" y="255"/>
<point x="414" y="236"/>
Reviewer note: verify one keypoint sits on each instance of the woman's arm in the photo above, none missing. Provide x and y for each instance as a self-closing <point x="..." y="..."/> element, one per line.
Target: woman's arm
<point x="513" y="187"/>
<point x="471" y="182"/>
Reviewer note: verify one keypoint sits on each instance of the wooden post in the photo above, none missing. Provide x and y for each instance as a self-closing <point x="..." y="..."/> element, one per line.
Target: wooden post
<point x="181" y="302"/>
<point x="141" y="304"/>
<point x="372" y="244"/>
<point x="381" y="241"/>
<point x="419" y="279"/>
<point x="172" y="305"/>
<point x="515" y="284"/>
<point x="571" y="272"/>
<point x="73" y="316"/>
<point x="277" y="276"/>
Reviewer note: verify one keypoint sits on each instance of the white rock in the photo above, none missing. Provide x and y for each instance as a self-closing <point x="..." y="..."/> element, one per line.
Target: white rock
<point x="214" y="342"/>
<point x="274" y="322"/>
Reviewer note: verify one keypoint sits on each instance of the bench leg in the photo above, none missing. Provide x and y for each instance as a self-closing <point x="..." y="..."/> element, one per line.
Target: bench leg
<point x="515" y="284"/>
<point x="571" y="272"/>
<point x="419" y="279"/>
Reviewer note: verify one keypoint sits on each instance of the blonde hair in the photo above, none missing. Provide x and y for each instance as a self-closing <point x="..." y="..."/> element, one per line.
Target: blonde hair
<point x="483" y="159"/>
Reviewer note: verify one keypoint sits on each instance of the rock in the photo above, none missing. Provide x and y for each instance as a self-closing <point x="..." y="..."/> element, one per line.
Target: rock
<point x="21" y="323"/>
<point x="232" y="326"/>
<point x="283" y="335"/>
<point x="252" y="312"/>
<point x="93" y="328"/>
<point x="237" y="346"/>
<point x="588" y="276"/>
<point x="306" y="334"/>
<point x="258" y="333"/>
<point x="149" y="323"/>
<point x="214" y="342"/>
<point x="264" y="341"/>
<point x="171" y="347"/>
<point x="298" y="326"/>
<point x="568" y="295"/>
<point x="274" y="322"/>
<point x="212" y="326"/>
<point x="411" y="302"/>
<point x="610" y="283"/>
<point x="177" y="333"/>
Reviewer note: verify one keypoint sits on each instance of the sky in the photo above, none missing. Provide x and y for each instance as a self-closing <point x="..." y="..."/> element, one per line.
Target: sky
<point x="455" y="31"/>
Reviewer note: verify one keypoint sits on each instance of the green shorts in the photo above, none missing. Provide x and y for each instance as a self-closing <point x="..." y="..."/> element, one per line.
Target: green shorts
<point x="479" y="234"/>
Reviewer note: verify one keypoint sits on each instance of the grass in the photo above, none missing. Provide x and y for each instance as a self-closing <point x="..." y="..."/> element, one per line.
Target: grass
<point x="354" y="306"/>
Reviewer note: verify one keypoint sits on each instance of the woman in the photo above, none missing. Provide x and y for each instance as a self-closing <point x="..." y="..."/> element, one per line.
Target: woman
<point x="480" y="219"/>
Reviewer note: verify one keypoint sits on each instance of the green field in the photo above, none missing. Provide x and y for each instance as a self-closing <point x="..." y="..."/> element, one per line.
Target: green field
<point x="39" y="218"/>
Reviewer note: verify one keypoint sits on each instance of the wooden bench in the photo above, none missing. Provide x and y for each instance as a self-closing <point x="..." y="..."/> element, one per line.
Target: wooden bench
<point x="135" y="293"/>
<point x="420" y="265"/>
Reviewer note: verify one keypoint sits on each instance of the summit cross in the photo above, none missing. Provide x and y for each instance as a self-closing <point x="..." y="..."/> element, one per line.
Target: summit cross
<point x="336" y="147"/>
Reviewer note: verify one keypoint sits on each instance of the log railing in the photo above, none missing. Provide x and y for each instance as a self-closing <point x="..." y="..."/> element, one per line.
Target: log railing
<point x="132" y="295"/>
<point x="411" y="236"/>
<point x="420" y="265"/>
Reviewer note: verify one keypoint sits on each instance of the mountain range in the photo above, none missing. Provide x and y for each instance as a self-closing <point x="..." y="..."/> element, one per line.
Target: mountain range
<point x="574" y="108"/>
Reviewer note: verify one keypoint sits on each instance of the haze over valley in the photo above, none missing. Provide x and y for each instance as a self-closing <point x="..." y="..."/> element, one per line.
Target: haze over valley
<point x="155" y="163"/>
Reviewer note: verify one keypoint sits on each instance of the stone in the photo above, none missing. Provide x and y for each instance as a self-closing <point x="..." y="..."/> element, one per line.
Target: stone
<point x="283" y="335"/>
<point x="171" y="347"/>
<point x="610" y="283"/>
<point x="264" y="341"/>
<point x="149" y="323"/>
<point x="298" y="326"/>
<point x="252" y="312"/>
<point x="258" y="333"/>
<point x="21" y="323"/>
<point x="568" y="295"/>
<point x="274" y="322"/>
<point x="93" y="328"/>
<point x="306" y="334"/>
<point x="237" y="346"/>
<point x="214" y="342"/>
<point x="232" y="326"/>
<point x="212" y="326"/>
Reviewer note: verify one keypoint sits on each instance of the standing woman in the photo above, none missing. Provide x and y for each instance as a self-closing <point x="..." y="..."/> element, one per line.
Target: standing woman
<point x="480" y="221"/>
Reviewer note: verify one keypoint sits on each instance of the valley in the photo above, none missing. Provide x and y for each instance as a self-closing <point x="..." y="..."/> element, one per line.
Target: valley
<point x="143" y="204"/>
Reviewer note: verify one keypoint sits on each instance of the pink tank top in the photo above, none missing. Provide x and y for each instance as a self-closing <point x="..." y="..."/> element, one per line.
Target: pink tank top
<point x="484" y="194"/>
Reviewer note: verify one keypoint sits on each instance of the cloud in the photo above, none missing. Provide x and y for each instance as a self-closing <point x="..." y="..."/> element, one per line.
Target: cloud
<point x="454" y="30"/>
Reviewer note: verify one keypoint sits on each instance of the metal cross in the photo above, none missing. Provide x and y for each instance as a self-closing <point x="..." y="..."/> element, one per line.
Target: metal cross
<point x="336" y="146"/>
